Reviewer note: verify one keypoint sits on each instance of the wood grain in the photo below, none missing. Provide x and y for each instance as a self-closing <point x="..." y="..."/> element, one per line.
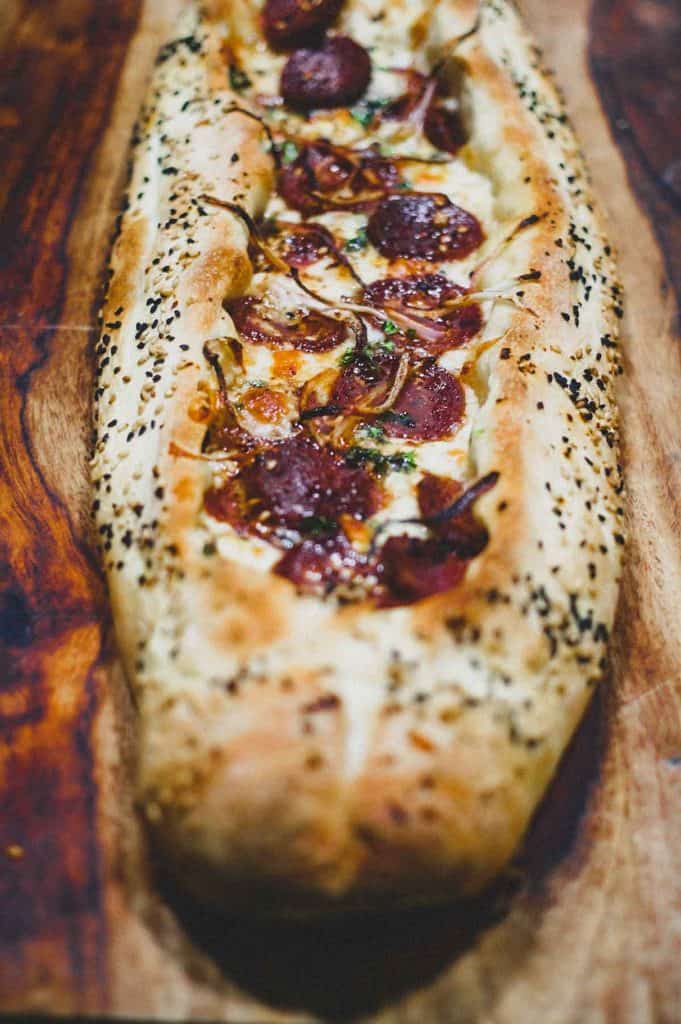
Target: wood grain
<point x="634" y="57"/>
<point x="52" y="924"/>
<point x="587" y="928"/>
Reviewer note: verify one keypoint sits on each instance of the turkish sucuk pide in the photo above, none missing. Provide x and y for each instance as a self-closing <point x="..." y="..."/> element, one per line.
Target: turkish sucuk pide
<point x="357" y="652"/>
<point x="314" y="494"/>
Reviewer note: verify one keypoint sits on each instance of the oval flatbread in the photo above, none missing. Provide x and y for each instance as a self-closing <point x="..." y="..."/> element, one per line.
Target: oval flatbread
<point x="356" y="462"/>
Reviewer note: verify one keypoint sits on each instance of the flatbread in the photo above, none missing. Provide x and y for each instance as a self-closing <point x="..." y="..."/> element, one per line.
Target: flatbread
<point x="351" y="689"/>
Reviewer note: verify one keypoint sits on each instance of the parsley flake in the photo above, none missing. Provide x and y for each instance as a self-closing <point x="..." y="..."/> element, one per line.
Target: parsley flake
<point x="382" y="345"/>
<point x="348" y="357"/>
<point x="397" y="417"/>
<point x="289" y="152"/>
<point x="359" y="242"/>
<point x="365" y="111"/>
<point x="238" y="79"/>
<point x="399" y="462"/>
<point x="317" y="526"/>
<point x="403" y="462"/>
<point x="374" y="431"/>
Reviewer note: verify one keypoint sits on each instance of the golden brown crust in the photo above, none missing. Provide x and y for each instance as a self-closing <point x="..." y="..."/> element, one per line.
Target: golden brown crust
<point x="331" y="756"/>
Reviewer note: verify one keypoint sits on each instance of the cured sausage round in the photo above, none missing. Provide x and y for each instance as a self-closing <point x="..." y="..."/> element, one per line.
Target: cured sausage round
<point x="333" y="75"/>
<point x="429" y="406"/>
<point x="305" y="244"/>
<point x="305" y="330"/>
<point x="325" y="177"/>
<point x="295" y="485"/>
<point x="289" y="23"/>
<point x="424" y="226"/>
<point x="411" y="569"/>
<point x="433" y="301"/>
<point x="444" y="128"/>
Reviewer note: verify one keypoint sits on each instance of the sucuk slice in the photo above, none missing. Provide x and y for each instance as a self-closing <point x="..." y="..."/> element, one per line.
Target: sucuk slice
<point x="434" y="302"/>
<point x="304" y="330"/>
<point x="429" y="407"/>
<point x="326" y="177"/>
<point x="291" y="484"/>
<point x="305" y="244"/>
<point x="423" y="226"/>
<point x="440" y="118"/>
<point x="334" y="74"/>
<point x="290" y="23"/>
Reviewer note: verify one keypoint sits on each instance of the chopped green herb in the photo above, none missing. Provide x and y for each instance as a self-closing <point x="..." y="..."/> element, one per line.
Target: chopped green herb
<point x="382" y="345"/>
<point x="404" y="184"/>
<point x="374" y="431"/>
<point x="318" y="525"/>
<point x="257" y="383"/>
<point x="411" y="333"/>
<point x="359" y="456"/>
<point x="400" y="462"/>
<point x="403" y="462"/>
<point x="210" y="548"/>
<point x="348" y="357"/>
<point x="369" y="353"/>
<point x="397" y="417"/>
<point x="365" y="111"/>
<point x="289" y="152"/>
<point x="238" y="79"/>
<point x="389" y="327"/>
<point x="360" y="241"/>
<point x="365" y="117"/>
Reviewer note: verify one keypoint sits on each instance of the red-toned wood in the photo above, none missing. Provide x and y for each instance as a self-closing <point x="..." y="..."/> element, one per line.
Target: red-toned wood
<point x="61" y="67"/>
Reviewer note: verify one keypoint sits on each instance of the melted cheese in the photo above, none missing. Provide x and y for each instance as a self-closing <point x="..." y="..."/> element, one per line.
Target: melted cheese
<point x="387" y="37"/>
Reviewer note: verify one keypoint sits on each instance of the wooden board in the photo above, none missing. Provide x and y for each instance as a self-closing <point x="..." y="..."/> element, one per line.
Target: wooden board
<point x="587" y="928"/>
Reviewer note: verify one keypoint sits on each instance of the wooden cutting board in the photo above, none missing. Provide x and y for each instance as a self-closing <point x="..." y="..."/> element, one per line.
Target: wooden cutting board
<point x="587" y="928"/>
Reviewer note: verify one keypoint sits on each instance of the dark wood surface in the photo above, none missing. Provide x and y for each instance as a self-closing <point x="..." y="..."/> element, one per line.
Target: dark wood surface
<point x="60" y="68"/>
<point x="635" y="59"/>
<point x="587" y="928"/>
